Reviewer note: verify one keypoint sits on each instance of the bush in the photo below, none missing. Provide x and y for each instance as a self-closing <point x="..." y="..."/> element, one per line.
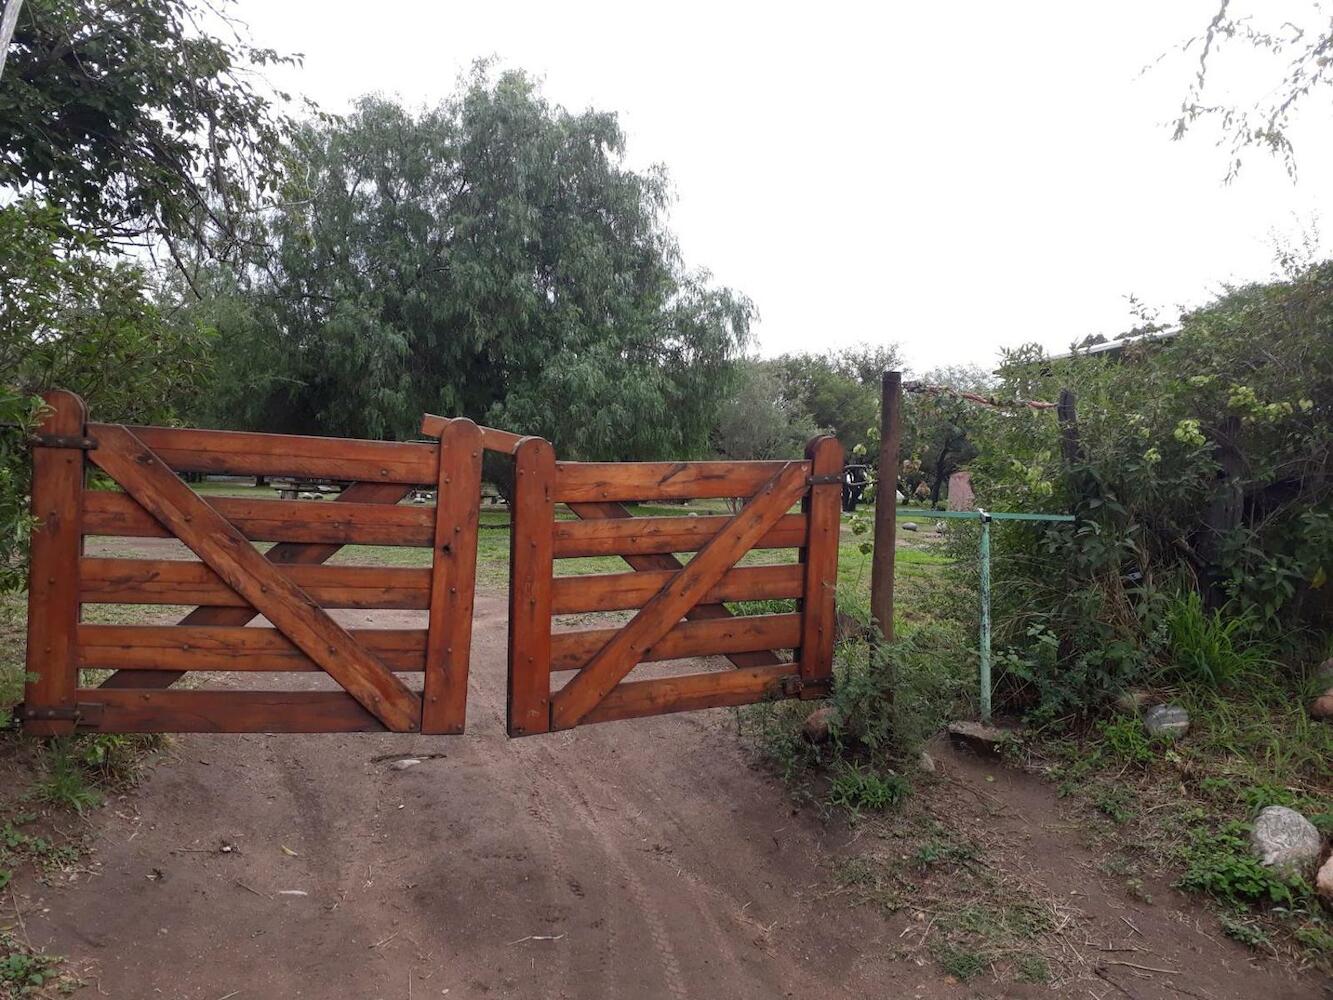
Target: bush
<point x="1211" y="648"/>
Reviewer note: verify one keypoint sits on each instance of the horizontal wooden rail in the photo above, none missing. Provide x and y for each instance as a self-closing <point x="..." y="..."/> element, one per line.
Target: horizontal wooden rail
<point x="593" y="481"/>
<point x="622" y="591"/>
<point x="653" y="535"/>
<point x="635" y="699"/>
<point x="168" y="581"/>
<point x="492" y="439"/>
<point x="571" y="650"/>
<point x="168" y="711"/>
<point x="240" y="453"/>
<point x="117" y="514"/>
<point x="203" y="647"/>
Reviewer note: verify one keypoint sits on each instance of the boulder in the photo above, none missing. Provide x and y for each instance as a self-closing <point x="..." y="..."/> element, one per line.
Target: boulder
<point x="1323" y="882"/>
<point x="1285" y="840"/>
<point x="909" y="526"/>
<point x="1166" y="721"/>
<point x="818" y="724"/>
<point x="926" y="762"/>
<point x="1322" y="707"/>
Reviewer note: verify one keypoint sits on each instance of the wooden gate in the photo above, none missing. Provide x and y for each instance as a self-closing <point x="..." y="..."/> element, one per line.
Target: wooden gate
<point x="232" y="581"/>
<point x="681" y="607"/>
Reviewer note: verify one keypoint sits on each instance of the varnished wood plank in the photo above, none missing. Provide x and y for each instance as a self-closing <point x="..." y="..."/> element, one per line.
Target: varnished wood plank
<point x="313" y="521"/>
<point x="263" y="586"/>
<point x="718" y="637"/>
<point x="686" y="589"/>
<point x="166" y="711"/>
<point x="624" y="591"/>
<point x="283" y="554"/>
<point x="453" y="578"/>
<point x="617" y="517"/>
<point x="637" y="699"/>
<point x="593" y="481"/>
<point x="627" y="536"/>
<point x="223" y="647"/>
<point x="53" y="573"/>
<point x="182" y="581"/>
<point x="242" y="453"/>
<point x="823" y="506"/>
<point x="530" y="588"/>
<point x="491" y="439"/>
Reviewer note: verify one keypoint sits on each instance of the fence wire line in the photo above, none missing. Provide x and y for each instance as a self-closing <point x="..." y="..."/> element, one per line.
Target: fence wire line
<point x="990" y="402"/>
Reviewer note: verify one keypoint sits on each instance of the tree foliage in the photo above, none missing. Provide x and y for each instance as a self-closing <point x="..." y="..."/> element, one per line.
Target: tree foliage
<point x="1300" y="51"/>
<point x="840" y="390"/>
<point x="492" y="257"/>
<point x="757" y="422"/>
<point x="134" y="118"/>
<point x="1203" y="463"/>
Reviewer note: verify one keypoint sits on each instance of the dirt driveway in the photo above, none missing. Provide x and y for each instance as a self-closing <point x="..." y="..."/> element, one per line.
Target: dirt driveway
<point x="646" y="859"/>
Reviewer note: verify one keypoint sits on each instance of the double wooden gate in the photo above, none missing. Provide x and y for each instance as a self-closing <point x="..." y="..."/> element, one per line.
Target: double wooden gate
<point x="233" y="581"/>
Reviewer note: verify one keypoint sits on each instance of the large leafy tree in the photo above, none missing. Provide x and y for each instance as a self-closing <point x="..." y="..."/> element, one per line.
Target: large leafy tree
<point x="137" y="119"/>
<point x="491" y="257"/>
<point x="840" y="390"/>
<point x="758" y="422"/>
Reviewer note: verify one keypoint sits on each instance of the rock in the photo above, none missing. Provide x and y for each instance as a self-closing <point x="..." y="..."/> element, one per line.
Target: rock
<point x="909" y="526"/>
<point x="1284" y="839"/>
<point x="404" y="764"/>
<point x="1323" y="674"/>
<point x="926" y="762"/>
<point x="1170" y="721"/>
<point x="1323" y="882"/>
<point x="817" y="725"/>
<point x="1132" y="701"/>
<point x="979" y="737"/>
<point x="1322" y="707"/>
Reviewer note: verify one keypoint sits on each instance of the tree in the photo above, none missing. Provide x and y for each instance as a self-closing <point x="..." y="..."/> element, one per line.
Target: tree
<point x="938" y="427"/>
<point x="492" y="257"/>
<point x="840" y="389"/>
<point x="757" y="422"/>
<point x="136" y="120"/>
<point x="1302" y="53"/>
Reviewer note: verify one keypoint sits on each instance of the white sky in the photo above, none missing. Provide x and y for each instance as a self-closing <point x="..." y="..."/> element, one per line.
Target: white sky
<point x="954" y="177"/>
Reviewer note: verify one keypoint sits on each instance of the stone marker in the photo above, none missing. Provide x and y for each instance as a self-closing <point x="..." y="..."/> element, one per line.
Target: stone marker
<point x="1170" y="721"/>
<point x="1285" y="840"/>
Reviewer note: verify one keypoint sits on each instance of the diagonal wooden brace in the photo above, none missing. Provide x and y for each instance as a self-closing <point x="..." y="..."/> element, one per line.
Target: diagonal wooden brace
<point x="611" y="510"/>
<point x="231" y="556"/>
<point x="619" y="656"/>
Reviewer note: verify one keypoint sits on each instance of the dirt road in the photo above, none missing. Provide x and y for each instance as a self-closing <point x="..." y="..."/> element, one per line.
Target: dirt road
<point x="621" y="861"/>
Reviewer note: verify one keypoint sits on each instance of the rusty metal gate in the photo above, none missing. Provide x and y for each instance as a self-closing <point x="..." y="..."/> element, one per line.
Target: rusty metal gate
<point x="681" y="607"/>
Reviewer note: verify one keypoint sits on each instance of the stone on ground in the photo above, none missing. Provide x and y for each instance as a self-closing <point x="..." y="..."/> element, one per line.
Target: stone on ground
<point x="979" y="737"/>
<point x="1170" y="721"/>
<point x="1323" y="674"/>
<point x="1323" y="882"/>
<point x="909" y="526"/>
<point x="1285" y="840"/>
<point x="404" y="764"/>
<point x="1322" y="707"/>
<point x="817" y="724"/>
<point x="926" y="762"/>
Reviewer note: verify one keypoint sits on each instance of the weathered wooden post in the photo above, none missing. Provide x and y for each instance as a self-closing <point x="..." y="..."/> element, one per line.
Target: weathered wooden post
<point x="886" y="503"/>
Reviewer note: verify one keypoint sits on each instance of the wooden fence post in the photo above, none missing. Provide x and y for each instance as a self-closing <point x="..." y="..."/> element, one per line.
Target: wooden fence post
<point x="531" y="564"/>
<point x="886" y="501"/>
<point x="823" y="509"/>
<point x="53" y="573"/>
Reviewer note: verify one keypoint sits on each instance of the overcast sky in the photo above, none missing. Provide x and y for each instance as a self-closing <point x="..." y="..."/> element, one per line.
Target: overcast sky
<point x="951" y="177"/>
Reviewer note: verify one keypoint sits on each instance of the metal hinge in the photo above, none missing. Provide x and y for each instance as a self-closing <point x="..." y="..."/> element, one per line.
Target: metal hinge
<point x="63" y="441"/>
<point x="828" y="479"/>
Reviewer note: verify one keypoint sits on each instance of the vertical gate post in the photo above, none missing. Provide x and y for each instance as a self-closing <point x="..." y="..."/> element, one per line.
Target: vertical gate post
<point x="53" y="573"/>
<point x="531" y="564"/>
<point x="886" y="500"/>
<point x="453" y="579"/>
<point x="823" y="509"/>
